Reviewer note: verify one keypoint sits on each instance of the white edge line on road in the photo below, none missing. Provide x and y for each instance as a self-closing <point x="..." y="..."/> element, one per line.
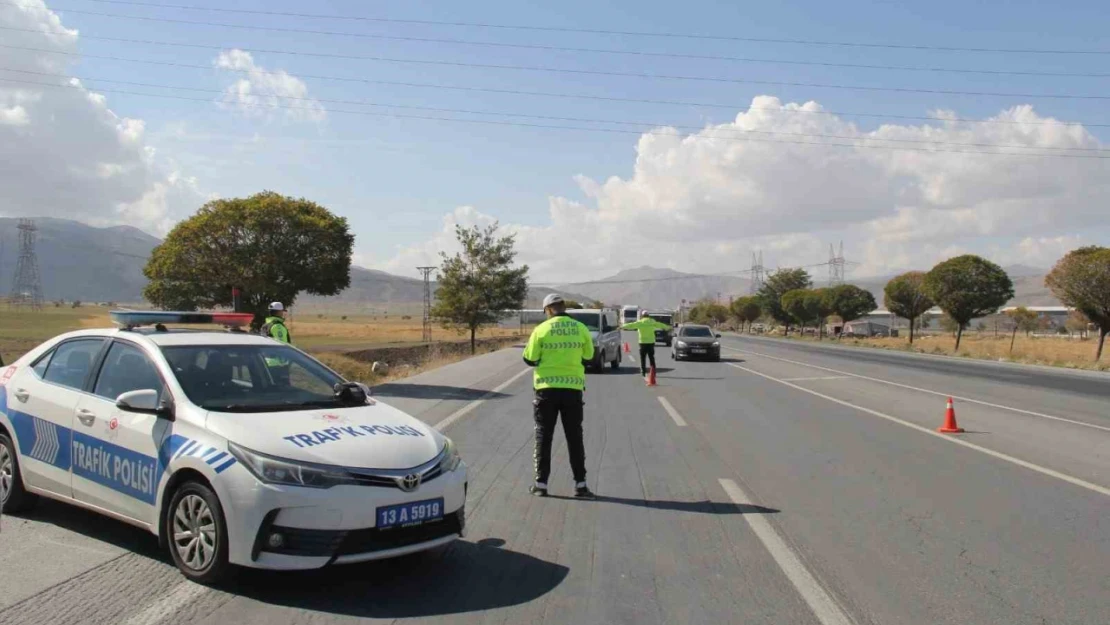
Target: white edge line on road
<point x="827" y="611"/>
<point x="925" y="390"/>
<point x="462" y="412"/>
<point x="678" y="420"/>
<point x="944" y="437"/>
<point x="826" y="377"/>
<point x="182" y="594"/>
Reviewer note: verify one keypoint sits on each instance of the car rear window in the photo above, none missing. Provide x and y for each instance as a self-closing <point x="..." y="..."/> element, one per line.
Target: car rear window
<point x="590" y="320"/>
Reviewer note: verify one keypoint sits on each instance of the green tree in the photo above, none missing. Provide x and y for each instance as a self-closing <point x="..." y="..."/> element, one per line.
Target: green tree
<point x="479" y="283"/>
<point x="793" y="302"/>
<point x="948" y="324"/>
<point x="905" y="296"/>
<point x="1022" y="319"/>
<point x="271" y="246"/>
<point x="709" y="312"/>
<point x="820" y="304"/>
<point x="775" y="286"/>
<point x="1077" y="322"/>
<point x="1081" y="279"/>
<point x="572" y="304"/>
<point x="849" y="302"/>
<point x="966" y="287"/>
<point x="746" y="309"/>
<point x="597" y="304"/>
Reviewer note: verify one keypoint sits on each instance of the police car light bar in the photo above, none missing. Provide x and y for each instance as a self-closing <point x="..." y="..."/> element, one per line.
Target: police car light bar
<point x="133" y="319"/>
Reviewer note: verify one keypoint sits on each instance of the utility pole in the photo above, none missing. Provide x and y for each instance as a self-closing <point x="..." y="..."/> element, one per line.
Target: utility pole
<point x="427" y="334"/>
<point x="27" y="284"/>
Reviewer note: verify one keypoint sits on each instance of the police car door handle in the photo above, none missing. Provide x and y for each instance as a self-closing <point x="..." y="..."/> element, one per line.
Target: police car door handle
<point x="21" y="394"/>
<point x="86" y="417"/>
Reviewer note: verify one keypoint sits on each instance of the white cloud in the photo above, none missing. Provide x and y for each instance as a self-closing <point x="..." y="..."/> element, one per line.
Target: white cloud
<point x="702" y="202"/>
<point x="65" y="152"/>
<point x="265" y="93"/>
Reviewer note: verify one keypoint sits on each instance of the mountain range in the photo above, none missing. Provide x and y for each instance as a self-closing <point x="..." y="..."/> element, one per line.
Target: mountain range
<point x="81" y="262"/>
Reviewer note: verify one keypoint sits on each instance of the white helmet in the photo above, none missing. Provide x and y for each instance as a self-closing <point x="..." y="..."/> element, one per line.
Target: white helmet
<point x="277" y="306"/>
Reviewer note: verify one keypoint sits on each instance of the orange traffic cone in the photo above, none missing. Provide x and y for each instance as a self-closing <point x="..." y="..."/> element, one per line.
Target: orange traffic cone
<point x="626" y="350"/>
<point x="950" y="426"/>
<point x="651" y="377"/>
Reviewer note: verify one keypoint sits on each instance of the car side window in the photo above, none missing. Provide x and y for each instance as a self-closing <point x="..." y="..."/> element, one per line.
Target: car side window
<point x="127" y="368"/>
<point x="71" y="362"/>
<point x="40" y="365"/>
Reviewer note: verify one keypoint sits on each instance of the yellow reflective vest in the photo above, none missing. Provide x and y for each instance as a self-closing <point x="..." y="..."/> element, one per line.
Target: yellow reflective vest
<point x="557" y="349"/>
<point x="645" y="329"/>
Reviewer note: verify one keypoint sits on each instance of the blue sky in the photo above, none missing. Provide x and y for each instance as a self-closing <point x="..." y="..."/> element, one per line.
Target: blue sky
<point x="396" y="179"/>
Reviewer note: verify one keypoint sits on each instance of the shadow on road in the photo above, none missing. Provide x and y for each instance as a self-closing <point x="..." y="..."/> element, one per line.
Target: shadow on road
<point x="94" y="526"/>
<point x="432" y="391"/>
<point x="623" y="370"/>
<point x="464" y="577"/>
<point x="701" y="507"/>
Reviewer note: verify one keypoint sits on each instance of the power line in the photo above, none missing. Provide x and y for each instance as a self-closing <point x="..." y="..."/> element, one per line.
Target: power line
<point x="577" y="128"/>
<point x="609" y="51"/>
<point x="685" y="276"/>
<point x="546" y="94"/>
<point x="542" y="117"/>
<point x="597" y="72"/>
<point x="806" y="42"/>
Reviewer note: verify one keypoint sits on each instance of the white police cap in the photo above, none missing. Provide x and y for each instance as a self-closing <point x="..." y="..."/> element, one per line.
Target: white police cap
<point x="552" y="299"/>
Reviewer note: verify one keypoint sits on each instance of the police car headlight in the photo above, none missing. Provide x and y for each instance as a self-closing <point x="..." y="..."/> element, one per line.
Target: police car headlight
<point x="716" y="343"/>
<point x="272" y="470"/>
<point x="681" y="343"/>
<point x="451" y="458"/>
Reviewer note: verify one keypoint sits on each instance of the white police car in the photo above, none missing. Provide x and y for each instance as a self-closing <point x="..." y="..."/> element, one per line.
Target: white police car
<point x="233" y="448"/>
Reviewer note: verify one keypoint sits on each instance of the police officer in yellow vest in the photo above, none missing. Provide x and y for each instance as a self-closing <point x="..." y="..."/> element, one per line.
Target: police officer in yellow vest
<point x="645" y="329"/>
<point x="559" y="349"/>
<point x="274" y="327"/>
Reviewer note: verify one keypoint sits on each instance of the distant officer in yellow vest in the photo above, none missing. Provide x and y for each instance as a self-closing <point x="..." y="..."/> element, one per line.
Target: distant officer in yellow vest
<point x="559" y="349"/>
<point x="645" y="329"/>
<point x="274" y="327"/>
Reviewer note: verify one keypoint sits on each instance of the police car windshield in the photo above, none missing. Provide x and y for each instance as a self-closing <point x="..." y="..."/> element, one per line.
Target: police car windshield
<point x="590" y="320"/>
<point x="696" y="331"/>
<point x="252" y="378"/>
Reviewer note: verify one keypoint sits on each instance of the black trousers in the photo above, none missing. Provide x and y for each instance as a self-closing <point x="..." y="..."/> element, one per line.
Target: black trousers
<point x="647" y="352"/>
<point x="548" y="405"/>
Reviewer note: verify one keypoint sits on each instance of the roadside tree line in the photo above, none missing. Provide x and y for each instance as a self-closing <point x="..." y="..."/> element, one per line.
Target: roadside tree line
<point x="270" y="247"/>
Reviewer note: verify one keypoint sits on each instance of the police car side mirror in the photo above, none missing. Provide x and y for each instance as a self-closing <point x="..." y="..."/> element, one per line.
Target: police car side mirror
<point x="144" y="401"/>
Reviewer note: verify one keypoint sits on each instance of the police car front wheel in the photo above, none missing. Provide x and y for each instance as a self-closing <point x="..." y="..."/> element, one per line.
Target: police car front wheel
<point x="13" y="497"/>
<point x="197" y="533"/>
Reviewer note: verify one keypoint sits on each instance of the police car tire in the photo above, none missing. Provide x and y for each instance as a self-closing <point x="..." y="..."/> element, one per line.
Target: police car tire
<point x="616" y="363"/>
<point x="219" y="567"/>
<point x="19" y="499"/>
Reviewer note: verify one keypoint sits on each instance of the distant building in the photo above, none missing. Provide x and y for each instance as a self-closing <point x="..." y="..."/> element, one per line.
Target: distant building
<point x="865" y="327"/>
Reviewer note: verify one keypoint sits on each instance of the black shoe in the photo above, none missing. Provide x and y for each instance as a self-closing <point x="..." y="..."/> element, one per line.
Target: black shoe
<point x="537" y="491"/>
<point x="583" y="492"/>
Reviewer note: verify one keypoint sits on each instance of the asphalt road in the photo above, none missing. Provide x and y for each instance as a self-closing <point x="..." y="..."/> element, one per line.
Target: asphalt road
<point x="789" y="484"/>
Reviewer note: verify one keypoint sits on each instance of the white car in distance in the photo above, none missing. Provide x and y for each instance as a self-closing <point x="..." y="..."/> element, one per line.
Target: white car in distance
<point x="232" y="448"/>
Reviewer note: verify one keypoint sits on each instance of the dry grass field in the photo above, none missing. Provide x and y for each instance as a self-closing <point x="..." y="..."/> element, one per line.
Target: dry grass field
<point x="326" y="333"/>
<point x="1056" y="351"/>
